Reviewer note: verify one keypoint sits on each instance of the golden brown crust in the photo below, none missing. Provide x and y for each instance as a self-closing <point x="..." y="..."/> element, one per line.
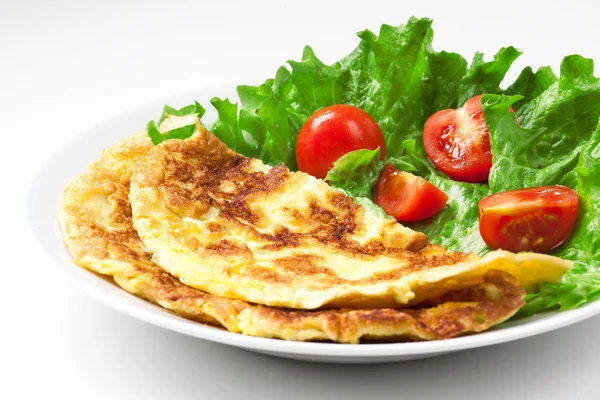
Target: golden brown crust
<point x="229" y="225"/>
<point x="97" y="227"/>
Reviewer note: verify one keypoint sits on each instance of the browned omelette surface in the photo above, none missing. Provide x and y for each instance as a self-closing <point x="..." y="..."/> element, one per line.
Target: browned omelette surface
<point x="234" y="227"/>
<point x="97" y="226"/>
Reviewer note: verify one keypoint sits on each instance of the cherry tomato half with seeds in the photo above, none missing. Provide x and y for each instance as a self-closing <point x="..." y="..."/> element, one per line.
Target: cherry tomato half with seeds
<point x="534" y="219"/>
<point x="458" y="142"/>
<point x="332" y="132"/>
<point x="407" y="197"/>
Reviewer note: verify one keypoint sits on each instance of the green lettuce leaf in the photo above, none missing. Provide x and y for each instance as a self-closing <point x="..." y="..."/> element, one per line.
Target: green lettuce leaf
<point x="485" y="77"/>
<point x="530" y="85"/>
<point x="553" y="129"/>
<point x="447" y="72"/>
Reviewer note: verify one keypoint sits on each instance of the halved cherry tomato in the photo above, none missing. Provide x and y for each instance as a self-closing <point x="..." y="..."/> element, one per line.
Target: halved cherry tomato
<point x="407" y="197"/>
<point x="535" y="219"/>
<point x="332" y="132"/>
<point x="458" y="142"/>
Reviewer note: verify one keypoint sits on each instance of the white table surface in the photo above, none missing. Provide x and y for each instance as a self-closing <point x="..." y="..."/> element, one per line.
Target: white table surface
<point x="64" y="66"/>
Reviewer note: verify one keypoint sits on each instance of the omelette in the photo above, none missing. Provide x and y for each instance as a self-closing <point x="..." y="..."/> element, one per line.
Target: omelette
<point x="237" y="228"/>
<point x="97" y="225"/>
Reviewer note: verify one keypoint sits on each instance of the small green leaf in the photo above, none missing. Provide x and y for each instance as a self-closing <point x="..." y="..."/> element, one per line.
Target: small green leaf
<point x="195" y="108"/>
<point x="179" y="133"/>
<point x="184" y="132"/>
<point x="356" y="172"/>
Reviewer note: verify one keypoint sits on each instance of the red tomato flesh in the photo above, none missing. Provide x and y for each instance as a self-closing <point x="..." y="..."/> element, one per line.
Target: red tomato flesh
<point x="535" y="219"/>
<point x="332" y="132"/>
<point x="458" y="142"/>
<point x="407" y="197"/>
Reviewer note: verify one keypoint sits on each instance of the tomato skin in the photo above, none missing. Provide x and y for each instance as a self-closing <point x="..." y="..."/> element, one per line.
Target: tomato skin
<point x="534" y="219"/>
<point x="458" y="142"/>
<point x="332" y="132"/>
<point x="407" y="197"/>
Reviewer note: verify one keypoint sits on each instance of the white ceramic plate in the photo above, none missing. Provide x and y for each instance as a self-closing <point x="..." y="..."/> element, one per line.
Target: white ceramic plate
<point x="43" y="201"/>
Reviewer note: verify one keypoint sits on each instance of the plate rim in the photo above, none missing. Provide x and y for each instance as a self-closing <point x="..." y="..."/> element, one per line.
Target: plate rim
<point x="168" y="320"/>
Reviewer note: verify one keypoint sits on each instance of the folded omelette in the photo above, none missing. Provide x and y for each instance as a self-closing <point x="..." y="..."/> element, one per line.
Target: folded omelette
<point x="96" y="221"/>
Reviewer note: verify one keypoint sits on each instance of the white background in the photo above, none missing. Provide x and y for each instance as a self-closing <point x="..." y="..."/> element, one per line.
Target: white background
<point x="64" y="66"/>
